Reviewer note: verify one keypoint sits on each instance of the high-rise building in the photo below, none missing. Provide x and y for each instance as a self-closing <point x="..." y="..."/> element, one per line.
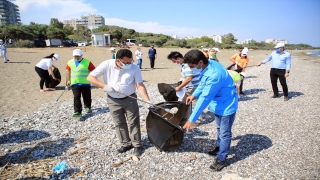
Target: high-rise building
<point x="9" y="13"/>
<point x="90" y="21"/>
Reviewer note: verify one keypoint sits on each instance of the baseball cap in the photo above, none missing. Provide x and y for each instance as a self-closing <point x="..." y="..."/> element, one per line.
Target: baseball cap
<point x="77" y="52"/>
<point x="112" y="49"/>
<point x="279" y="45"/>
<point x="56" y="56"/>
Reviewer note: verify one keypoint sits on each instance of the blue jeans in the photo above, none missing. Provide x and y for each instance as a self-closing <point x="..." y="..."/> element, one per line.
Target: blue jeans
<point x="139" y="63"/>
<point x="224" y="126"/>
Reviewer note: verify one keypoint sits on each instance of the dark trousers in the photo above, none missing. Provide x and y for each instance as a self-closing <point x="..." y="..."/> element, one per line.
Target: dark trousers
<point x="44" y="77"/>
<point x="241" y="86"/>
<point x="85" y="91"/>
<point x="274" y="75"/>
<point x="152" y="62"/>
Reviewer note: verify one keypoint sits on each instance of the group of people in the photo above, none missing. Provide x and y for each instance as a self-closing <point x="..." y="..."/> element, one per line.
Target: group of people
<point x="152" y="55"/>
<point x="208" y="82"/>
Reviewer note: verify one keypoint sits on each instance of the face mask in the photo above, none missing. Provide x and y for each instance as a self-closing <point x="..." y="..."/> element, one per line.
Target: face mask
<point x="125" y="66"/>
<point x="197" y="68"/>
<point x="277" y="50"/>
<point x="177" y="64"/>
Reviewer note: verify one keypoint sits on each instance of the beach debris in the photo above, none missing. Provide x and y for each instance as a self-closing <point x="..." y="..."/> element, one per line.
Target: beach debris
<point x="193" y="157"/>
<point x="121" y="162"/>
<point x="60" y="167"/>
<point x="174" y="110"/>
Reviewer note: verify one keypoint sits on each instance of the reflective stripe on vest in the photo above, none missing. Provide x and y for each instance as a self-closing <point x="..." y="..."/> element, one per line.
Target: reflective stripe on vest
<point x="79" y="74"/>
<point x="235" y="76"/>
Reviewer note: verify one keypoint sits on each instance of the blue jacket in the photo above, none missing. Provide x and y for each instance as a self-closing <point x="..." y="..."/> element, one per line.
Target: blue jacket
<point x="216" y="89"/>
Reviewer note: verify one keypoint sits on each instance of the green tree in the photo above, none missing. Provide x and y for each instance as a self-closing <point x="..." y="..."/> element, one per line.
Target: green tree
<point x="131" y="31"/>
<point x="55" y="33"/>
<point x="207" y="39"/>
<point x="116" y="35"/>
<point x="56" y="23"/>
<point x="228" y="39"/>
<point x="68" y="29"/>
<point x="83" y="32"/>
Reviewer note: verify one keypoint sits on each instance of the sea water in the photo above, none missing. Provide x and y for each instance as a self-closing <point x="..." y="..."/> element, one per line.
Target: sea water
<point x="314" y="53"/>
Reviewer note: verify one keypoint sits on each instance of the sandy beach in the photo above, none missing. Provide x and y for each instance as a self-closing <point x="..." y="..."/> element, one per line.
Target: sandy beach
<point x="272" y="138"/>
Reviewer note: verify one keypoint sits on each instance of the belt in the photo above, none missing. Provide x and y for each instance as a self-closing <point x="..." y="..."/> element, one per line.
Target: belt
<point x="277" y="69"/>
<point x="119" y="98"/>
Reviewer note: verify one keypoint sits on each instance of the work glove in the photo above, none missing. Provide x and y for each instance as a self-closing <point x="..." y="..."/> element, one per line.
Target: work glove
<point x="108" y="89"/>
<point x="151" y="105"/>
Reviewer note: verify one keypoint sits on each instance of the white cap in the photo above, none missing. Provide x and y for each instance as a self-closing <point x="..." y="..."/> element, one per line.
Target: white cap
<point x="279" y="45"/>
<point x="77" y="52"/>
<point x="216" y="49"/>
<point x="112" y="49"/>
<point x="56" y="56"/>
<point x="205" y="49"/>
<point x="245" y="51"/>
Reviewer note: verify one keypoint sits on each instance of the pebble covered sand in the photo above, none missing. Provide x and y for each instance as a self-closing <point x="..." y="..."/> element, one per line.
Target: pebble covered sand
<point x="272" y="139"/>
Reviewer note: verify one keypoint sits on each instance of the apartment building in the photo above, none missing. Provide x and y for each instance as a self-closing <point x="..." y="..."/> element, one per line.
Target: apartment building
<point x="9" y="13"/>
<point x="92" y="21"/>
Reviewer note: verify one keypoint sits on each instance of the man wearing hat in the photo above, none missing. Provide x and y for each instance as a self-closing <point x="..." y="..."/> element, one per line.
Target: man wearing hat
<point x="213" y="54"/>
<point x="280" y="68"/>
<point x="113" y="52"/>
<point x="78" y="70"/>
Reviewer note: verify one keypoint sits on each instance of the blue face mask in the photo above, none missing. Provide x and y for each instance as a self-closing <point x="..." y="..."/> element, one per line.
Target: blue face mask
<point x="196" y="69"/>
<point x="125" y="66"/>
<point x="277" y="50"/>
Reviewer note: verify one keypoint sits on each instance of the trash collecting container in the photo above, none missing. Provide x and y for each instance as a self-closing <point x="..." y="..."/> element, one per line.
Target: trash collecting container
<point x="164" y="129"/>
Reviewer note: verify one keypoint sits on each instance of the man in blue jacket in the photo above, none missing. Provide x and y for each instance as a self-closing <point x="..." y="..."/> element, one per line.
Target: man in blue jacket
<point x="217" y="90"/>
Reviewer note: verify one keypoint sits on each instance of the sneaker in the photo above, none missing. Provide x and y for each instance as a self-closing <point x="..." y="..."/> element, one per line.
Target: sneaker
<point x="124" y="149"/>
<point x="88" y="110"/>
<point x="275" y="96"/>
<point x="214" y="151"/>
<point x="77" y="114"/>
<point x="137" y="151"/>
<point x="242" y="93"/>
<point x="218" y="165"/>
<point x="286" y="98"/>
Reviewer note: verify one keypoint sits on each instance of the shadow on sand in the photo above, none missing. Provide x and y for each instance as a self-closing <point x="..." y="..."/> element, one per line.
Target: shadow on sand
<point x="23" y="136"/>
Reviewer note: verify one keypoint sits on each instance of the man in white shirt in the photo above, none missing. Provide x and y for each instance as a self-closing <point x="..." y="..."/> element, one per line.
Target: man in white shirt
<point x="121" y="75"/>
<point x="138" y="54"/>
<point x="3" y="51"/>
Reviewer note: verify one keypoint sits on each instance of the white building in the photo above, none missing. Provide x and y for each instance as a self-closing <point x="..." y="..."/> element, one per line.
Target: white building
<point x="246" y="41"/>
<point x="91" y="21"/>
<point x="174" y="36"/>
<point x="217" y="38"/>
<point x="276" y="41"/>
<point x="100" y="39"/>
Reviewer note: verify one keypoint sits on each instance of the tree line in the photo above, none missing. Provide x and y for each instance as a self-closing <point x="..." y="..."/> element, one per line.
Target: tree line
<point x="33" y="34"/>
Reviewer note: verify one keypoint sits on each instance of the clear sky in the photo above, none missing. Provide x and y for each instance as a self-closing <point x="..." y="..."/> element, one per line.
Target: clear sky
<point x="297" y="21"/>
